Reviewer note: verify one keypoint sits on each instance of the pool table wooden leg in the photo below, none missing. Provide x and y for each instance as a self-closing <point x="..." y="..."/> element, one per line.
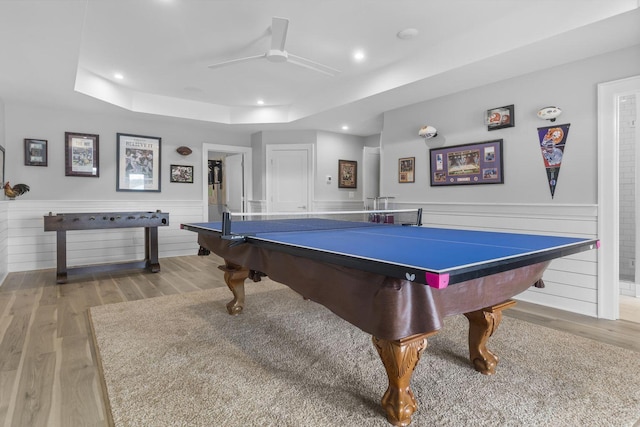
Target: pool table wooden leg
<point x="400" y="357"/>
<point x="234" y="277"/>
<point x="482" y="324"/>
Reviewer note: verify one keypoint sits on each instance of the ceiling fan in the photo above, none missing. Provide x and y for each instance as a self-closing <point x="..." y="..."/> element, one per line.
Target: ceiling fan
<point x="277" y="53"/>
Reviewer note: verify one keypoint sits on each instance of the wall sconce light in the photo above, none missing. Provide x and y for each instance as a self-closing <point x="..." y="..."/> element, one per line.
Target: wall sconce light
<point x="428" y="132"/>
<point x="549" y="113"/>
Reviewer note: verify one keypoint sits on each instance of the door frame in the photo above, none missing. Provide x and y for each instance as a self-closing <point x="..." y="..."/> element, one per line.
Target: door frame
<point x="608" y="194"/>
<point x="269" y="149"/>
<point x="247" y="172"/>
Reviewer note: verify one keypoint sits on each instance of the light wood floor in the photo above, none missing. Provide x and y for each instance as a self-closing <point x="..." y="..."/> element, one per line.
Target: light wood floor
<point x="48" y="370"/>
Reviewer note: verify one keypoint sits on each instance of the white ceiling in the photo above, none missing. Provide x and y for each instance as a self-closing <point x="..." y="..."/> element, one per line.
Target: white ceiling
<point x="64" y="53"/>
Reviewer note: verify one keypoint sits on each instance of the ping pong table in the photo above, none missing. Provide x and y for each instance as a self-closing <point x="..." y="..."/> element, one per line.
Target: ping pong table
<point x="396" y="282"/>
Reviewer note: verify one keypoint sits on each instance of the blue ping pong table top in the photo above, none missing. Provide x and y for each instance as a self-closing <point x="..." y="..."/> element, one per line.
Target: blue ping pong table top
<point x="435" y="256"/>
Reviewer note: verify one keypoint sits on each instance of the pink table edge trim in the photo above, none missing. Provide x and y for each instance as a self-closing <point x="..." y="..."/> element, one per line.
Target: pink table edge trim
<point x="437" y="281"/>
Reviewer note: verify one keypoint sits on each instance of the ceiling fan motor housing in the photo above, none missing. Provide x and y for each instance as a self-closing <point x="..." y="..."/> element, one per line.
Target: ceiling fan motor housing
<point x="275" y="55"/>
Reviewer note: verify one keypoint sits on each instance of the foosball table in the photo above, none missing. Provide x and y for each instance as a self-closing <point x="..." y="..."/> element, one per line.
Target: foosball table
<point x="63" y="222"/>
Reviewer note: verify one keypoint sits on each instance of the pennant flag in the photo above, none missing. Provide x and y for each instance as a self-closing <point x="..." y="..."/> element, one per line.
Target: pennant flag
<point x="552" y="142"/>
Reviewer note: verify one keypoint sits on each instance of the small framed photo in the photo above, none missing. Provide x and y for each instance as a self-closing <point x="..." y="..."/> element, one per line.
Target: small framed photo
<point x="406" y="169"/>
<point x="347" y="174"/>
<point x="502" y="117"/>
<point x="81" y="154"/>
<point x="138" y="163"/>
<point x="35" y="152"/>
<point x="181" y="173"/>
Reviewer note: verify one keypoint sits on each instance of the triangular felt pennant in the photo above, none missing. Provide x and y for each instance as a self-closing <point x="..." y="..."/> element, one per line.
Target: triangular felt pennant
<point x="552" y="142"/>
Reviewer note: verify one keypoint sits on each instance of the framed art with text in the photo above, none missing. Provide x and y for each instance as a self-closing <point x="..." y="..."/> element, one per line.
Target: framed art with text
<point x="35" y="152"/>
<point x="81" y="155"/>
<point x="477" y="163"/>
<point x="406" y="169"/>
<point x="347" y="174"/>
<point x="138" y="163"/>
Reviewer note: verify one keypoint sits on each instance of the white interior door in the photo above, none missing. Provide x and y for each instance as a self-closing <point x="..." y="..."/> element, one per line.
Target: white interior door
<point x="288" y="178"/>
<point x="234" y="179"/>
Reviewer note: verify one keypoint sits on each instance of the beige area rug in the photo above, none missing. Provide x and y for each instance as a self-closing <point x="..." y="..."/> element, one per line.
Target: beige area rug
<point x="183" y="361"/>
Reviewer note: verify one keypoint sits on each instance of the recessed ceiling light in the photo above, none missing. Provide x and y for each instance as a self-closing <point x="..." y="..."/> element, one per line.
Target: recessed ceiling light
<point x="345" y="127"/>
<point x="118" y="76"/>
<point x="407" y="33"/>
<point x="260" y="102"/>
<point x="359" y="55"/>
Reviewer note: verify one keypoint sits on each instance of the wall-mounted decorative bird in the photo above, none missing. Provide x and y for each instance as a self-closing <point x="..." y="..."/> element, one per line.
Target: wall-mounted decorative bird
<point x="16" y="190"/>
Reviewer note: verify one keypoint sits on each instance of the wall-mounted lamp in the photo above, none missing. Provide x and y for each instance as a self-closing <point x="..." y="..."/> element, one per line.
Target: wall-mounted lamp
<point x="549" y="113"/>
<point x="428" y="132"/>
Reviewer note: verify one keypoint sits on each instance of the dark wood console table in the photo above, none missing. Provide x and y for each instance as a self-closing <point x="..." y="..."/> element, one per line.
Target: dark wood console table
<point x="61" y="223"/>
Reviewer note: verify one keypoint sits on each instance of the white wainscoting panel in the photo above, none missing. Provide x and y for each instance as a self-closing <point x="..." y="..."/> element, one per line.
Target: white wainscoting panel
<point x="4" y="240"/>
<point x="571" y="282"/>
<point x="31" y="248"/>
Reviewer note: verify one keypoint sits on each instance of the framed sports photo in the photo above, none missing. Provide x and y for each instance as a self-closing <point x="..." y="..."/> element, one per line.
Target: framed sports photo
<point x="406" y="169"/>
<point x="35" y="152"/>
<point x="347" y="174"/>
<point x="467" y="164"/>
<point x="81" y="155"/>
<point x="180" y="173"/>
<point x="501" y="117"/>
<point x="138" y="163"/>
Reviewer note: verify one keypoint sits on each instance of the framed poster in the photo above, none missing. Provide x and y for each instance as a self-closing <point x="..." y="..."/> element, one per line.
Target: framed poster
<point x="347" y="174"/>
<point x="81" y="155"/>
<point x="477" y="163"/>
<point x="501" y="117"/>
<point x="35" y="152"/>
<point x="406" y="169"/>
<point x="180" y="173"/>
<point x="138" y="163"/>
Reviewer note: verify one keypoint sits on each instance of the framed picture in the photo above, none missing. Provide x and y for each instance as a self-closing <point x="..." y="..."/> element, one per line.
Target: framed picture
<point x="502" y="117"/>
<point x="35" y="152"/>
<point x="406" y="169"/>
<point x="81" y="154"/>
<point x="347" y="174"/>
<point x="477" y="163"/>
<point x="138" y="163"/>
<point x="180" y="173"/>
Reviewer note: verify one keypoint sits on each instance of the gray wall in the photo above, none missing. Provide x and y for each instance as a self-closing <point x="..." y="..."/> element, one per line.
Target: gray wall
<point x="459" y="119"/>
<point x="50" y="182"/>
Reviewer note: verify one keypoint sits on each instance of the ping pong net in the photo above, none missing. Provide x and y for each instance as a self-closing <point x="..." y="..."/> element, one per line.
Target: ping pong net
<point x="241" y="224"/>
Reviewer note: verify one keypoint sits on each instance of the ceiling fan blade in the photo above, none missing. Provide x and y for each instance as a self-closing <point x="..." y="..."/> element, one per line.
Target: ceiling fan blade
<point x="279" y="28"/>
<point x="312" y="65"/>
<point x="236" y="61"/>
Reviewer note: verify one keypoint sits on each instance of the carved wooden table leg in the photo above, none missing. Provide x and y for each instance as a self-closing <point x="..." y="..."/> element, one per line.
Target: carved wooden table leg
<point x="400" y="358"/>
<point x="234" y="277"/>
<point x="482" y="324"/>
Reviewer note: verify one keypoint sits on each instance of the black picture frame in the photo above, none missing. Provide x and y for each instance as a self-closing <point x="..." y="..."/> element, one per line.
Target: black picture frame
<point x="81" y="154"/>
<point x="181" y="173"/>
<point x="347" y="174"/>
<point x="36" y="152"/>
<point x="467" y="164"/>
<point x="138" y="162"/>
<point x="501" y="117"/>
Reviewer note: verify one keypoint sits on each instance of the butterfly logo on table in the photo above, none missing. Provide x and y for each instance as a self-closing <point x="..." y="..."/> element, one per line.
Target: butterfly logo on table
<point x="410" y="277"/>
